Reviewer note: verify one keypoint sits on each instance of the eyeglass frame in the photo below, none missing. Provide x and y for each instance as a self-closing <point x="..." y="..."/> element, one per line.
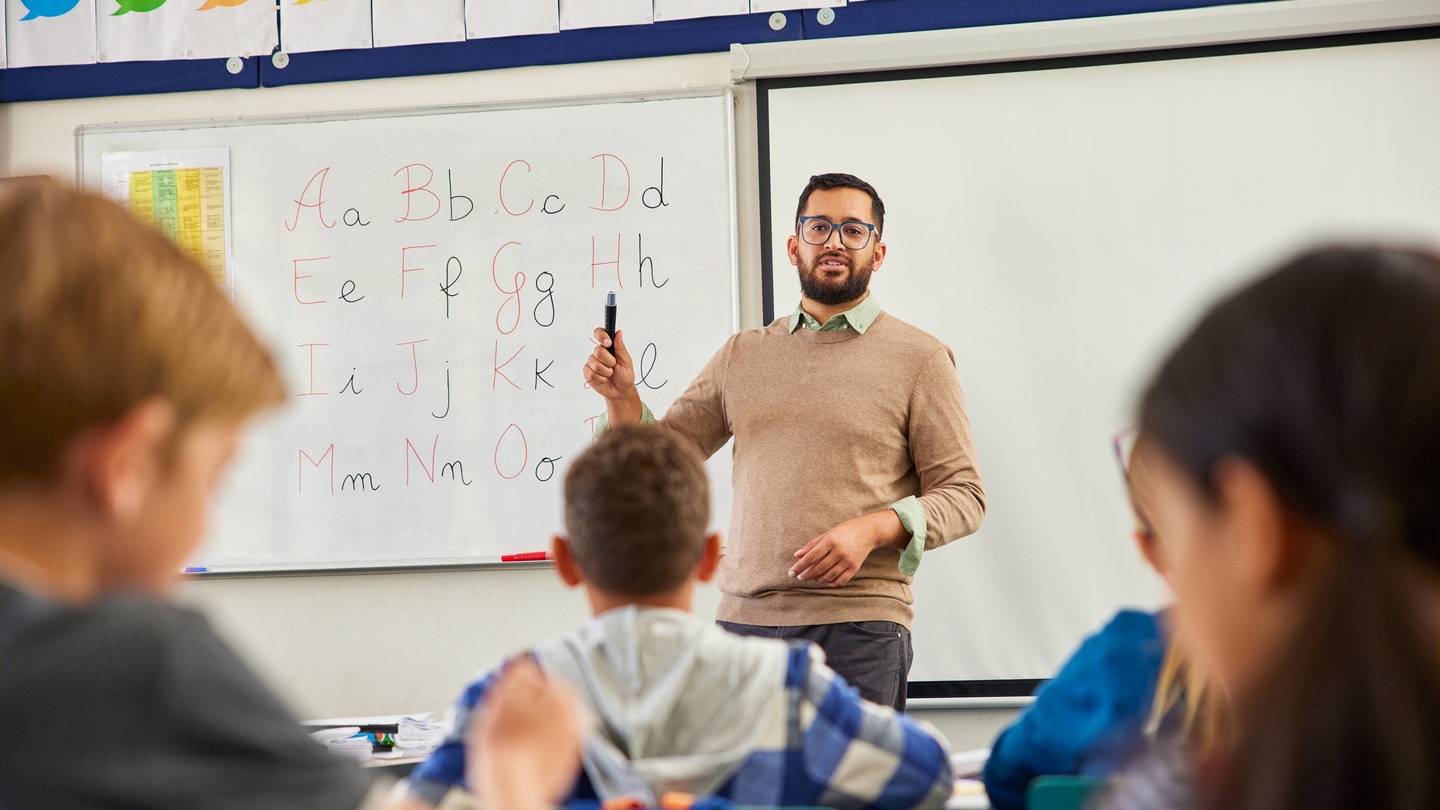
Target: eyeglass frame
<point x="834" y="228"/>
<point x="1117" y="444"/>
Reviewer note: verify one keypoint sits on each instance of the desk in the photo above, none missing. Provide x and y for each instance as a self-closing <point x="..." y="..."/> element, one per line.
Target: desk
<point x="392" y="766"/>
<point x="969" y="795"/>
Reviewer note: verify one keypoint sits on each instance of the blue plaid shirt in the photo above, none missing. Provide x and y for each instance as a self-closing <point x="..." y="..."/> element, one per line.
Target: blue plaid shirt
<point x="840" y="751"/>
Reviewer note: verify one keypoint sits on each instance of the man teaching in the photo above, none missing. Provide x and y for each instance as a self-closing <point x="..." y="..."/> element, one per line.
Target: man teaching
<point x="852" y="450"/>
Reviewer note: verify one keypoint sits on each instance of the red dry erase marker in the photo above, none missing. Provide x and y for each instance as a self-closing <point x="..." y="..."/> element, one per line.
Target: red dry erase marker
<point x="528" y="556"/>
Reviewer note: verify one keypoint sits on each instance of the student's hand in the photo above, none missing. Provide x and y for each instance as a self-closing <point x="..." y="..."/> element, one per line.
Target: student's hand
<point x="524" y="748"/>
<point x="835" y="556"/>
<point x="609" y="369"/>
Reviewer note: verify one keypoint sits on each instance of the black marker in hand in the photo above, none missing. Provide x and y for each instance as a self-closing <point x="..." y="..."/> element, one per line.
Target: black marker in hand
<point x="610" y="324"/>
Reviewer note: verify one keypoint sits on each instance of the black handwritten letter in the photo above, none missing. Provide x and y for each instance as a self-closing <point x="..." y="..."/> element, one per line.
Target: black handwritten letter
<point x="646" y="260"/>
<point x="450" y="283"/>
<point x="648" y="359"/>
<point x="659" y="190"/>
<point x="470" y="204"/>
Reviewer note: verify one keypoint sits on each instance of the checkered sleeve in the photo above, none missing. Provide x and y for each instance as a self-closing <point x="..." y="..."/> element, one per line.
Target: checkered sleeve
<point x="866" y="755"/>
<point x="445" y="768"/>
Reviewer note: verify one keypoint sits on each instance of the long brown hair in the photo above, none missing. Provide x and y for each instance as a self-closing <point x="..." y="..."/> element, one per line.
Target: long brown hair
<point x="1325" y="376"/>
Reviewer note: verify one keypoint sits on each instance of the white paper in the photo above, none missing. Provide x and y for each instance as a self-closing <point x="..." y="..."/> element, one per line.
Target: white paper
<point x="690" y="9"/>
<point x="49" y="32"/>
<point x="324" y="25"/>
<point x="2" y="40"/>
<point x="413" y="22"/>
<point x="790" y="5"/>
<point x="603" y="13"/>
<point x="509" y="18"/>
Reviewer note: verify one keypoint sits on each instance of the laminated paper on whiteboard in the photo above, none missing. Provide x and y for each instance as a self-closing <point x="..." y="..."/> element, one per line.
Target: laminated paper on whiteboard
<point x="415" y="22"/>
<point x="510" y="18"/>
<point x="592" y="14"/>
<point x="49" y="32"/>
<point x="324" y="25"/>
<point x="690" y="9"/>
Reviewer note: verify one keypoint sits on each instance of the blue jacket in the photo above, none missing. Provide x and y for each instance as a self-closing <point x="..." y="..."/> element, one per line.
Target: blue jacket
<point x="1089" y="718"/>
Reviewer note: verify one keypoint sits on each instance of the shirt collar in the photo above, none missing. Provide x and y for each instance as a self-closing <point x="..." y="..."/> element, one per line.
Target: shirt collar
<point x="858" y="317"/>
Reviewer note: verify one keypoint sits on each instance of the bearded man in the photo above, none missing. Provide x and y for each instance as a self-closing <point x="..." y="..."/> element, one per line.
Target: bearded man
<point x="852" y="452"/>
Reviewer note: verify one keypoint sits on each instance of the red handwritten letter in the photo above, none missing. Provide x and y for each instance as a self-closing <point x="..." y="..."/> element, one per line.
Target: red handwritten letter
<point x="317" y="181"/>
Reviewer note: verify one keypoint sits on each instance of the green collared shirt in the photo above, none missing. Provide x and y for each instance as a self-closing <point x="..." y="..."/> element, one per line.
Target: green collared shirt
<point x="859" y="317"/>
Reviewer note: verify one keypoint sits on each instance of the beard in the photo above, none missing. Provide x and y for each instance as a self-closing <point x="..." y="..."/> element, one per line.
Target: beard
<point x="821" y="290"/>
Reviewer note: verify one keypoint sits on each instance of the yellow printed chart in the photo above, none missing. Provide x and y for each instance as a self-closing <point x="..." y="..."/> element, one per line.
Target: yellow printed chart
<point x="187" y="205"/>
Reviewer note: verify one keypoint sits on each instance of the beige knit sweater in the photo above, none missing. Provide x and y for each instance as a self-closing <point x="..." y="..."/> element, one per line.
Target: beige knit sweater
<point x="829" y="426"/>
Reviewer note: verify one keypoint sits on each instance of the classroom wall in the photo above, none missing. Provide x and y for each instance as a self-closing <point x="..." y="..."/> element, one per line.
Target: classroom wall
<point x="381" y="643"/>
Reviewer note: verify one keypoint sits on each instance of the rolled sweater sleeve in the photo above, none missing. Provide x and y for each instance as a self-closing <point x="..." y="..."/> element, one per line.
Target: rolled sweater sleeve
<point x="943" y="452"/>
<point x="699" y="413"/>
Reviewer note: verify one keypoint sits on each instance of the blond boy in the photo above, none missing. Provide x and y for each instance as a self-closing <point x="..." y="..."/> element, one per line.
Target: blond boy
<point x="125" y="379"/>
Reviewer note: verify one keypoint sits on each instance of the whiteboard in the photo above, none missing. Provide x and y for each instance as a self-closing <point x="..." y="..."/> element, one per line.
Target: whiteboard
<point x="1060" y="227"/>
<point x="429" y="281"/>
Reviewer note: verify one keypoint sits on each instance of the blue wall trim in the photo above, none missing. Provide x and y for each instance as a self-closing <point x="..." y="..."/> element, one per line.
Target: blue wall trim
<point x="897" y="16"/>
<point x="123" y="79"/>
<point x="708" y="35"/>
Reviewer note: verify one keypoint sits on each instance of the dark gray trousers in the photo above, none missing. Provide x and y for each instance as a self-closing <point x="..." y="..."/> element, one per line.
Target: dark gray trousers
<point x="873" y="657"/>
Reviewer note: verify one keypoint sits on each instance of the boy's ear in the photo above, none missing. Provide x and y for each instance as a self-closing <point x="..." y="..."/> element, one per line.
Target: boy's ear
<point x="117" y="464"/>
<point x="565" y="565"/>
<point x="709" y="558"/>
<point x="1150" y="550"/>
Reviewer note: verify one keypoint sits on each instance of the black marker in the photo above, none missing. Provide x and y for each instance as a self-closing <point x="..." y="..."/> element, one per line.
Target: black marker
<point x="610" y="323"/>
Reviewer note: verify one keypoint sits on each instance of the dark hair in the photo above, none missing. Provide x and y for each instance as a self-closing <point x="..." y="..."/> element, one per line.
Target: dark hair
<point x="637" y="504"/>
<point x="825" y="182"/>
<point x="1325" y="375"/>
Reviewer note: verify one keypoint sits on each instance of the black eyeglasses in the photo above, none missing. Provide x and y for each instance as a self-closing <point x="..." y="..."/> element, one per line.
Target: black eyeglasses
<point x="1123" y="443"/>
<point x="853" y="235"/>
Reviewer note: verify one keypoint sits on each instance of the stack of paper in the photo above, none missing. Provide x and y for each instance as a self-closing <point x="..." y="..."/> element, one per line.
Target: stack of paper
<point x="419" y="735"/>
<point x="345" y="741"/>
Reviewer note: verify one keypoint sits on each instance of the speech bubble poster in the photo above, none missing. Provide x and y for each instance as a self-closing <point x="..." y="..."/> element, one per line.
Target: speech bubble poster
<point x="131" y="30"/>
<point x="412" y="22"/>
<point x="487" y="18"/>
<point x="49" y="32"/>
<point x="324" y="25"/>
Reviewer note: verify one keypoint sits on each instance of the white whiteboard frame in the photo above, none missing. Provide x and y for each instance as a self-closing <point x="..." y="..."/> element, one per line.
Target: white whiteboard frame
<point x="800" y="79"/>
<point x="88" y="156"/>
